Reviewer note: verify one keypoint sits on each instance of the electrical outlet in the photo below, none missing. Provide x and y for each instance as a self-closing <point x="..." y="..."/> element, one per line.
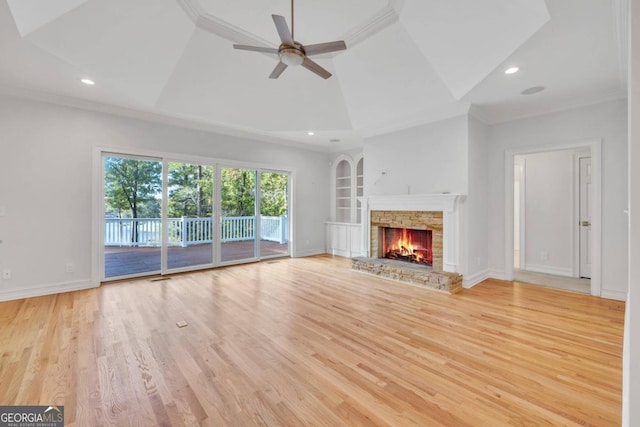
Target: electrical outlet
<point x="479" y="261"/>
<point x="70" y="268"/>
<point x="6" y="274"/>
<point x="544" y="255"/>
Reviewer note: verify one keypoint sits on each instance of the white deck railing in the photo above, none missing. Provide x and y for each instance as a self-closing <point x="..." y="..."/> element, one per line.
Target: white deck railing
<point x="192" y="231"/>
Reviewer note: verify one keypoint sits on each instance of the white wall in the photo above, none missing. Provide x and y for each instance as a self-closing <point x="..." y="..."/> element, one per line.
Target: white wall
<point x="46" y="176"/>
<point x="631" y="354"/>
<point x="549" y="205"/>
<point x="607" y="121"/>
<point x="476" y="206"/>
<point x="426" y="159"/>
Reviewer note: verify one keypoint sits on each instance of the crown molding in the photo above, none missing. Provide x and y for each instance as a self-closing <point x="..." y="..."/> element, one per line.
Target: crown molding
<point x="381" y="20"/>
<point x="477" y="112"/>
<point x="193" y="9"/>
<point x="610" y="96"/>
<point x="208" y="22"/>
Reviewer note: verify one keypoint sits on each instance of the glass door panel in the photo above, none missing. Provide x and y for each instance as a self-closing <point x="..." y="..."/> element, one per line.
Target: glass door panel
<point x="238" y="214"/>
<point x="190" y="234"/>
<point x="132" y="216"/>
<point x="274" y="214"/>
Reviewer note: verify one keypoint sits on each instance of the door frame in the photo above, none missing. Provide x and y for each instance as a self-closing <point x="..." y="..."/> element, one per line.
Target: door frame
<point x="576" y="210"/>
<point x="522" y="193"/>
<point x="97" y="199"/>
<point x="595" y="146"/>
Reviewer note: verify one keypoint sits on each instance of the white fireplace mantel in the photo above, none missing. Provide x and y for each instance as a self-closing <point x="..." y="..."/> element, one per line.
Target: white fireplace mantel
<point x="448" y="204"/>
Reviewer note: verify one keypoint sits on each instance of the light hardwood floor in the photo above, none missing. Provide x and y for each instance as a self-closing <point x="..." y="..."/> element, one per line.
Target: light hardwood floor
<point x="309" y="342"/>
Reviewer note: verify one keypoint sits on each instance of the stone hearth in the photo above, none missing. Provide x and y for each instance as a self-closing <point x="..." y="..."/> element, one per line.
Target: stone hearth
<point x="409" y="273"/>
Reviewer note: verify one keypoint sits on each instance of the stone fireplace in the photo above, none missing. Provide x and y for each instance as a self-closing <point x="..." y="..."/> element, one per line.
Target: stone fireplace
<point x="412" y="238"/>
<point x="383" y="220"/>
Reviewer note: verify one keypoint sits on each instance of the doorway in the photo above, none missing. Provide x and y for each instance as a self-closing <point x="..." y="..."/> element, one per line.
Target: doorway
<point x="552" y="222"/>
<point x="550" y="190"/>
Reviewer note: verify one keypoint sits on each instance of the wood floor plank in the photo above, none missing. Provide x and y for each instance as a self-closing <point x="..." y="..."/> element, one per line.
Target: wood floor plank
<point x="311" y="342"/>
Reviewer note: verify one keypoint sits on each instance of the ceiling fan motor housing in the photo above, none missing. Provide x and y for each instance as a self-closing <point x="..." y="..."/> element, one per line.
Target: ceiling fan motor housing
<point x="291" y="55"/>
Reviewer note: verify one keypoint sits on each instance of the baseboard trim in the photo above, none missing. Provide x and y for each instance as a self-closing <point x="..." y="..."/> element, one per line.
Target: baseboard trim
<point x="616" y="295"/>
<point x="496" y="274"/>
<point x="312" y="252"/>
<point x="472" y="280"/>
<point x="50" y="289"/>
<point x="556" y="271"/>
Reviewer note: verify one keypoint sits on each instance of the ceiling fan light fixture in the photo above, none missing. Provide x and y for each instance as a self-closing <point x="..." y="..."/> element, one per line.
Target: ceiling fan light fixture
<point x="291" y="53"/>
<point x="291" y="56"/>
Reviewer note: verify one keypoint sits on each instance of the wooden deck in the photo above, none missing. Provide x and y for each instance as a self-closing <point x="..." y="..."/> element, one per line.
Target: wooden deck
<point x="309" y="342"/>
<point x="124" y="261"/>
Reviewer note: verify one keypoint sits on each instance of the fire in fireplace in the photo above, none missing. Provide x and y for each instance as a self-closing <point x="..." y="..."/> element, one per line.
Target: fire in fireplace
<point x="407" y="244"/>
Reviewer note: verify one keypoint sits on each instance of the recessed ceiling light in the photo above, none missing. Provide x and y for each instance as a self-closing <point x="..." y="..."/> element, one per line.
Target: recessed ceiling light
<point x="310" y="133"/>
<point x="88" y="82"/>
<point x="511" y="70"/>
<point x="533" y="90"/>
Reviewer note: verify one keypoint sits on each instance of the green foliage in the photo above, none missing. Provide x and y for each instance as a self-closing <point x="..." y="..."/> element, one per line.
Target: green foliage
<point x="274" y="189"/>
<point x="132" y="187"/>
<point x="190" y="190"/>
<point x="238" y="192"/>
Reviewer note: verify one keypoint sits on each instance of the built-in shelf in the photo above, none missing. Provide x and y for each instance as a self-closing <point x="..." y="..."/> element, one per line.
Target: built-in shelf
<point x="344" y="231"/>
<point x="343" y="187"/>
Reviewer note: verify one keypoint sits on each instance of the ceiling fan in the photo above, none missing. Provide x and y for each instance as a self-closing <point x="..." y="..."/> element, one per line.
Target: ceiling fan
<point x="292" y="53"/>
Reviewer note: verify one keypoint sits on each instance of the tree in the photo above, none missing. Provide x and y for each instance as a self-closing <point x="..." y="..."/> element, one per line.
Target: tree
<point x="238" y="192"/>
<point x="274" y="189"/>
<point x="132" y="186"/>
<point x="190" y="190"/>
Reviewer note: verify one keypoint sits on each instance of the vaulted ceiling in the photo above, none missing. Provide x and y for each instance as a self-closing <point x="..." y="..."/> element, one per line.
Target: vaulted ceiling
<point x="407" y="61"/>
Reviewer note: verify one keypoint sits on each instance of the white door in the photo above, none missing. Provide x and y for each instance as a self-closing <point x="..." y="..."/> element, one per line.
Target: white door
<point x="585" y="217"/>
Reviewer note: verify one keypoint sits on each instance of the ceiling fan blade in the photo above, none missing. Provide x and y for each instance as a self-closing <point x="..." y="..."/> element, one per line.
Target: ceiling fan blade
<point x="317" y="49"/>
<point x="255" y="48"/>
<point x="278" y="70"/>
<point x="312" y="66"/>
<point x="283" y="29"/>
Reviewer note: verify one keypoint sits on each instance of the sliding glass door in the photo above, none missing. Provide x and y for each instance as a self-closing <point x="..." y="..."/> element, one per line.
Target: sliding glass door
<point x="238" y="225"/>
<point x="274" y="214"/>
<point x="161" y="216"/>
<point x="131" y="210"/>
<point x="190" y="231"/>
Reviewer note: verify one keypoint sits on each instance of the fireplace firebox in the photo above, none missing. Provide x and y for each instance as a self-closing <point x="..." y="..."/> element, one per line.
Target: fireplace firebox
<point x="406" y="244"/>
